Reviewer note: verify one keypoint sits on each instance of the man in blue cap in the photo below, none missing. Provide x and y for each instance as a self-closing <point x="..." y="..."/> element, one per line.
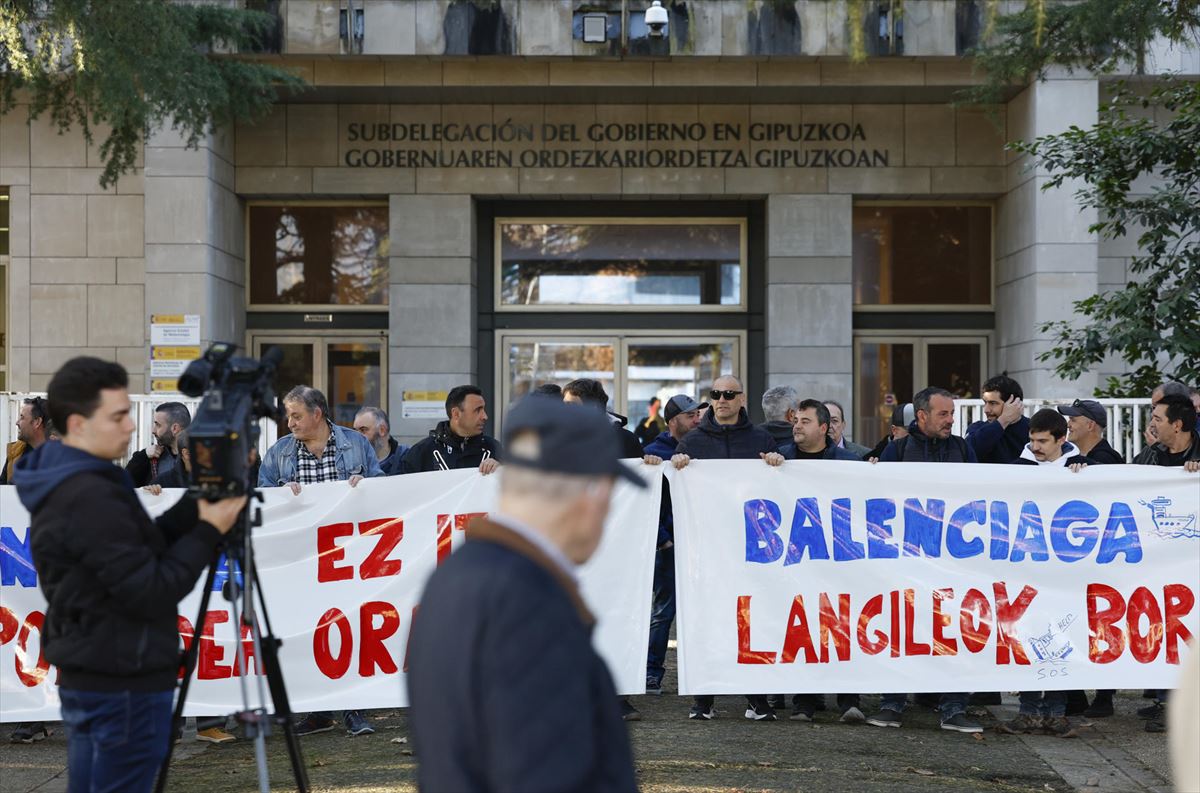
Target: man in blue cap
<point x="507" y="692"/>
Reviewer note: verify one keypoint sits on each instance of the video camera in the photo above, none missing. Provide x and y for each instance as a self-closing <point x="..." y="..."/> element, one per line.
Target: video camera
<point x="237" y="393"/>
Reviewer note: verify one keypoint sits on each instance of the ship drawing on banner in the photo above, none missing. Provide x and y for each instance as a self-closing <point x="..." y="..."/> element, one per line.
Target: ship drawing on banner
<point x="1053" y="646"/>
<point x="1170" y="526"/>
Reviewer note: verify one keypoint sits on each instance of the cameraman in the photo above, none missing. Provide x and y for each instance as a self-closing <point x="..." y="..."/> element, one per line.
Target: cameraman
<point x="113" y="578"/>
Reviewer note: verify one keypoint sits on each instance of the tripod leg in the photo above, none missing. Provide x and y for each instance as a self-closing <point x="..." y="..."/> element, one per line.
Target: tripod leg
<point x="188" y="663"/>
<point x="283" y="709"/>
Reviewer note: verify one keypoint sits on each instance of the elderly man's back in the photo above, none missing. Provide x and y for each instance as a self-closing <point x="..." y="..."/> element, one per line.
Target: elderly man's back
<point x="507" y="692"/>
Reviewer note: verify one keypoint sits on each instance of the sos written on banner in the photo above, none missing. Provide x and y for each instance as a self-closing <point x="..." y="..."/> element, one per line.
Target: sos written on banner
<point x="343" y="570"/>
<point x="842" y="576"/>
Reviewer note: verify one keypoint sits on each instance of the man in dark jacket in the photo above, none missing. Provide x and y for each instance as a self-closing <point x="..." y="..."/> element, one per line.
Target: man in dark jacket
<point x="458" y="442"/>
<point x="810" y="436"/>
<point x="113" y="578"/>
<point x="1178" y="446"/>
<point x="929" y="441"/>
<point x="682" y="415"/>
<point x="507" y="691"/>
<point x="1004" y="434"/>
<point x="373" y="424"/>
<point x="591" y="392"/>
<point x="779" y="410"/>
<point x="1086" y="422"/>
<point x="725" y="433"/>
<point x="33" y="429"/>
<point x="170" y="418"/>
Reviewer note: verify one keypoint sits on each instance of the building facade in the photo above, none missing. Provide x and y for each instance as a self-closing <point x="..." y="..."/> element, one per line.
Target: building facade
<point x="470" y="192"/>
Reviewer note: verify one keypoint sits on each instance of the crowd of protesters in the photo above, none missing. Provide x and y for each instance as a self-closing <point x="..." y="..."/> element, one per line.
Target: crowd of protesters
<point x="682" y="428"/>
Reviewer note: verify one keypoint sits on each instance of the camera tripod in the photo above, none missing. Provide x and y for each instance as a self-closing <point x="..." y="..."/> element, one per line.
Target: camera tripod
<point x="256" y="722"/>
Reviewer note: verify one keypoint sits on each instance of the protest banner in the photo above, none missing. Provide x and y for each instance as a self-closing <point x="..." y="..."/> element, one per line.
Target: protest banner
<point x="829" y="576"/>
<point x="343" y="569"/>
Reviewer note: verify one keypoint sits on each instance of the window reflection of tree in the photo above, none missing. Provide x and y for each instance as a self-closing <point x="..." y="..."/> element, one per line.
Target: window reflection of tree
<point x="324" y="255"/>
<point x="530" y="251"/>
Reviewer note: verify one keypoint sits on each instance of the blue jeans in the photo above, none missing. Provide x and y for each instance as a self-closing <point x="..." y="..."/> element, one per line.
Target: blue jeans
<point x="950" y="705"/>
<point x="116" y="740"/>
<point x="1050" y="703"/>
<point x="662" y="614"/>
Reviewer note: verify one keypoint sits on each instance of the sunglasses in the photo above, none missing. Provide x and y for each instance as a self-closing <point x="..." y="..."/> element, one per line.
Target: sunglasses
<point x="715" y="395"/>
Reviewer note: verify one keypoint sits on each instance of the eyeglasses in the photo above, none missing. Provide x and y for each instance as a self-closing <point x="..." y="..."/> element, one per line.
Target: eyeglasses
<point x="715" y="395"/>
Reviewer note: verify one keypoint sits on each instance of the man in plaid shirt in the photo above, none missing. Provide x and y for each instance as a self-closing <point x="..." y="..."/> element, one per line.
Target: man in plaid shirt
<point x="318" y="451"/>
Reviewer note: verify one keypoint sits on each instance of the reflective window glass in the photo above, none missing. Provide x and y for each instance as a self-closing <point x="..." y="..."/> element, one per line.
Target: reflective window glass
<point x="533" y="363"/>
<point x="922" y="255"/>
<point x="664" y="369"/>
<point x="318" y="255"/>
<point x="619" y="263"/>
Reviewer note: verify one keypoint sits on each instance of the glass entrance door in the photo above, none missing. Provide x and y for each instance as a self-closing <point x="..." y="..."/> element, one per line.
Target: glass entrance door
<point x="633" y="368"/>
<point x="890" y="369"/>
<point x="350" y="370"/>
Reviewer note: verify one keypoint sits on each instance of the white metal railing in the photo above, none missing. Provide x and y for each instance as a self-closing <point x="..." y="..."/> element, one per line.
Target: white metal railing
<point x="1126" y="419"/>
<point x="142" y="414"/>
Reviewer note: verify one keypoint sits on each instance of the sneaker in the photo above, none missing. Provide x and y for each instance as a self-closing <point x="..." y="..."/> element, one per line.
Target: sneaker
<point x="1023" y="724"/>
<point x="1100" y="708"/>
<point x="1156" y="725"/>
<point x="629" y="712"/>
<point x="777" y="701"/>
<point x="1154" y="711"/>
<point x="1059" y="726"/>
<point x="313" y="723"/>
<point x="960" y="723"/>
<point x="356" y="724"/>
<point x="760" y="711"/>
<point x="214" y="735"/>
<point x="702" y="714"/>
<point x="30" y="732"/>
<point x="885" y="718"/>
<point x="654" y="687"/>
<point x="801" y="714"/>
<point x="852" y="715"/>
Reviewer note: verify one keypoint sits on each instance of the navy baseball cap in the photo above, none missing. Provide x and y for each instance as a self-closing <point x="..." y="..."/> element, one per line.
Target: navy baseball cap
<point x="1088" y="408"/>
<point x="681" y="403"/>
<point x="572" y="439"/>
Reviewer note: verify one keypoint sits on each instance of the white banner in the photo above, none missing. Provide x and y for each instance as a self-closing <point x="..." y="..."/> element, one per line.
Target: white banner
<point x="847" y="577"/>
<point x="342" y="578"/>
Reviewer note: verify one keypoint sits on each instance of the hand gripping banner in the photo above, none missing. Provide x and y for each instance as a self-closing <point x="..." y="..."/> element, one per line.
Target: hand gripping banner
<point x="343" y="570"/>
<point x="848" y="577"/>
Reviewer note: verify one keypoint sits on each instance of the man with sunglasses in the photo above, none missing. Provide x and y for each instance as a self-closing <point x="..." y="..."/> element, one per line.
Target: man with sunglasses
<point x="32" y="431"/>
<point x="725" y="433"/>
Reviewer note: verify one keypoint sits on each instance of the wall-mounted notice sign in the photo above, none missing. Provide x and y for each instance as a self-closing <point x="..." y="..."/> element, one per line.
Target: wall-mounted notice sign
<point x="424" y="405"/>
<point x="175" y="342"/>
<point x="175" y="329"/>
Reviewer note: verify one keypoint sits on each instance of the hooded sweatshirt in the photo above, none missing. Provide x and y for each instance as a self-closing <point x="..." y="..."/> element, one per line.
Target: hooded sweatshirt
<point x="445" y="450"/>
<point x="112" y="576"/>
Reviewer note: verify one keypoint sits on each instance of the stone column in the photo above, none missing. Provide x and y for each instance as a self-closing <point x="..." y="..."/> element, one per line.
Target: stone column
<point x="195" y="237"/>
<point x="809" y="298"/>
<point x="431" y="339"/>
<point x="75" y="280"/>
<point x="1045" y="257"/>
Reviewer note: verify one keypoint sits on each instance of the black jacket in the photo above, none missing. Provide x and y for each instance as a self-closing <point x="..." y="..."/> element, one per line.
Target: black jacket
<point x="995" y="444"/>
<point x="442" y="450"/>
<point x="831" y="452"/>
<point x="501" y="625"/>
<point x="630" y="445"/>
<point x="142" y="470"/>
<point x="1153" y="454"/>
<point x="713" y="441"/>
<point x="781" y="431"/>
<point x="1104" y="454"/>
<point x="112" y="576"/>
<point x="918" y="447"/>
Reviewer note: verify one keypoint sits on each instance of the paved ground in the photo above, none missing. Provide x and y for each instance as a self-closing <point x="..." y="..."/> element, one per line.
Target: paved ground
<point x="726" y="755"/>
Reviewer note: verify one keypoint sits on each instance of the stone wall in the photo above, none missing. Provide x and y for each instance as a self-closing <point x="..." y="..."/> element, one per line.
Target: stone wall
<point x="77" y="274"/>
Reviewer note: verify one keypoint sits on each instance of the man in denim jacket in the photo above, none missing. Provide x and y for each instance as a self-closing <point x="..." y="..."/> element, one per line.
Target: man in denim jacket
<point x="317" y="450"/>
